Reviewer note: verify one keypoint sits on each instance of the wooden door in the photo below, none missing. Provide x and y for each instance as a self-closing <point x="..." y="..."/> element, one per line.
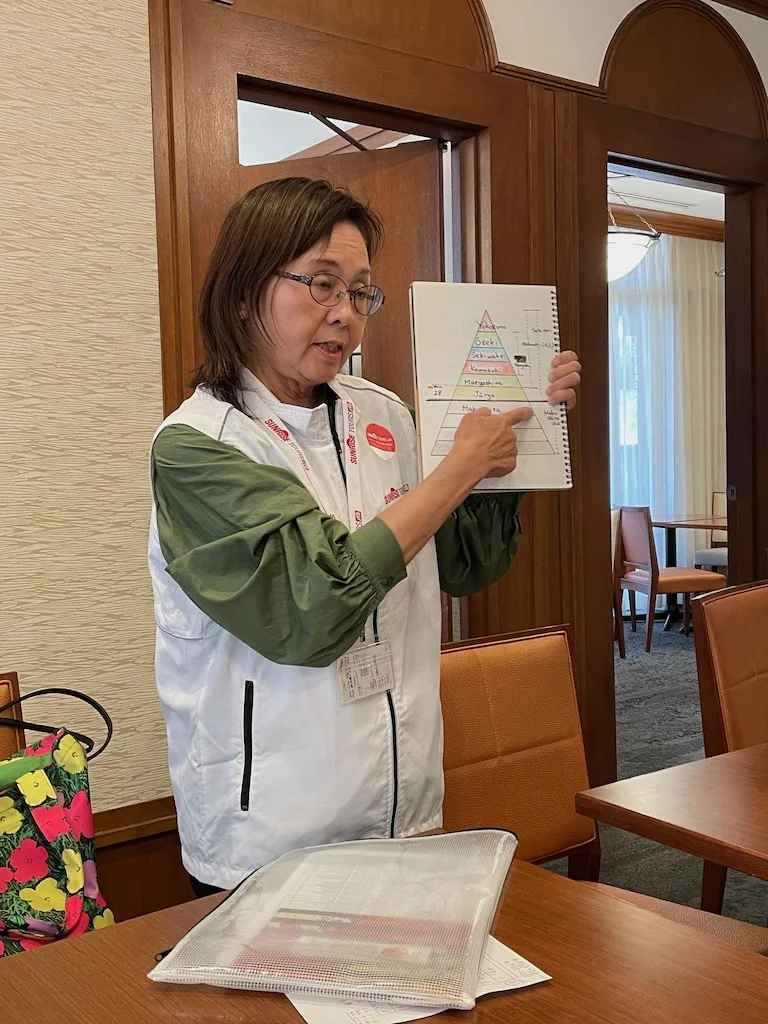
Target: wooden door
<point x="404" y="186"/>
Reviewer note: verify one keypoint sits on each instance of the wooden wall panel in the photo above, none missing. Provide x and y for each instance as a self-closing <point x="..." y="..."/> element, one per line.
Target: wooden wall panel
<point x="531" y="593"/>
<point x="143" y="876"/>
<point x="582" y="169"/>
<point x="681" y="59"/>
<point x="138" y="859"/>
<point x="453" y="31"/>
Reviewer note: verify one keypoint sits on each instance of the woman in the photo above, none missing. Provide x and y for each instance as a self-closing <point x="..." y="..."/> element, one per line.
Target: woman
<point x="276" y="548"/>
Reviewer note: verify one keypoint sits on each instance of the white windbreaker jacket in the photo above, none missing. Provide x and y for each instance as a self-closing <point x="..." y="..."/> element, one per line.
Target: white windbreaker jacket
<point x="264" y="757"/>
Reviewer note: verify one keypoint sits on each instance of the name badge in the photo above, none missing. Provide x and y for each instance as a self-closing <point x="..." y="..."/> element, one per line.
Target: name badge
<point x="366" y="670"/>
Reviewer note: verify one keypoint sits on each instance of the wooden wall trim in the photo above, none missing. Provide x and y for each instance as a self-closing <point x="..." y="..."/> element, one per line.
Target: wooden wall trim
<point x="135" y="821"/>
<point x="166" y="207"/>
<point x="549" y="81"/>
<point x="671" y="223"/>
<point x="485" y="33"/>
<point x="756" y="7"/>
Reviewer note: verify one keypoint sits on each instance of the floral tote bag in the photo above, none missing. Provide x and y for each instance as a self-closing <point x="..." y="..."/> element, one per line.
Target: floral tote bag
<point x="48" y="884"/>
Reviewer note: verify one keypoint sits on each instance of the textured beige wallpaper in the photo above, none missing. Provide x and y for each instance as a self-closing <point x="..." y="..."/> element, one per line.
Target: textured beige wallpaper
<point x="80" y="390"/>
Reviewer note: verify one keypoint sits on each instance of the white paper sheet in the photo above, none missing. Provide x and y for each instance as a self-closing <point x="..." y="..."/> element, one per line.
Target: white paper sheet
<point x="501" y="970"/>
<point x="489" y="346"/>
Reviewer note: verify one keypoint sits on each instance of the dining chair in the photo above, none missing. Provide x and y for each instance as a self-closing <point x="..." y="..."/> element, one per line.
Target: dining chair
<point x="514" y="756"/>
<point x="637" y="571"/>
<point x="11" y="738"/>
<point x="716" y="555"/>
<point x="731" y="638"/>
<point x="514" y="759"/>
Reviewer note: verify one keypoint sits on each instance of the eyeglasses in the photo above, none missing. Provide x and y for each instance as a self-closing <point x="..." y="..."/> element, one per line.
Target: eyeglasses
<point x="329" y="290"/>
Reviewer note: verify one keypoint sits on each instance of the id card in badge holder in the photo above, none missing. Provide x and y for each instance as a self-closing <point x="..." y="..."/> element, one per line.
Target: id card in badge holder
<point x="366" y="670"/>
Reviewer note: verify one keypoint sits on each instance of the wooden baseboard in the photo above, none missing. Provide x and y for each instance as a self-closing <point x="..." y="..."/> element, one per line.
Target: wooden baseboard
<point x="135" y="821"/>
<point x="138" y="859"/>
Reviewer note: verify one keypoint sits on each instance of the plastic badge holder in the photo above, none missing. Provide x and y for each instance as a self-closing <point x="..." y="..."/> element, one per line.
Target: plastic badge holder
<point x="384" y="920"/>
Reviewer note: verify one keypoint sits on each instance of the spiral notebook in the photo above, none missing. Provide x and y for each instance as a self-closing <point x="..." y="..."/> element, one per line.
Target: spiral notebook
<point x="489" y="345"/>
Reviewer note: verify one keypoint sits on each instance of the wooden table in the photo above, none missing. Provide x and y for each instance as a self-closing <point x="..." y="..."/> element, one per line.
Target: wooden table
<point x="689" y="521"/>
<point x="611" y="962"/>
<point x="716" y="809"/>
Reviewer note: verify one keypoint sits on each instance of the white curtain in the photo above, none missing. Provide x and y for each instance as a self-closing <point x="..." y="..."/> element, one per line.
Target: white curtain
<point x="667" y="385"/>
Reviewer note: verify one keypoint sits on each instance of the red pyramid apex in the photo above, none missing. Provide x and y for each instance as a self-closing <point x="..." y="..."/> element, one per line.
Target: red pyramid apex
<point x="486" y="324"/>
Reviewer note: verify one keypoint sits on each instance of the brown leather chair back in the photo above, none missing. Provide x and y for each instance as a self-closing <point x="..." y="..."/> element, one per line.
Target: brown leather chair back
<point x="11" y="739"/>
<point x="514" y="753"/>
<point x="731" y="634"/>
<point x="637" y="544"/>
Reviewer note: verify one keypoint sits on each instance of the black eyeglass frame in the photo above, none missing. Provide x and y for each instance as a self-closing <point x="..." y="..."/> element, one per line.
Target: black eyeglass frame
<point x="307" y="279"/>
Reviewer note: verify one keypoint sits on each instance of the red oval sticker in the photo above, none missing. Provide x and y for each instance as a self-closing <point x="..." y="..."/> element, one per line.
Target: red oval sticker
<point x="380" y="438"/>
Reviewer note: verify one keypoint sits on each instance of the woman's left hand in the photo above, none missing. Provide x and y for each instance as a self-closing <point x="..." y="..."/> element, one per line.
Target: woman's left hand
<point x="564" y="379"/>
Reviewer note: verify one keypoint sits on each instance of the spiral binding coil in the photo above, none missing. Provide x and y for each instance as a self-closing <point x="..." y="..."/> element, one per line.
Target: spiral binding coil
<point x="563" y="416"/>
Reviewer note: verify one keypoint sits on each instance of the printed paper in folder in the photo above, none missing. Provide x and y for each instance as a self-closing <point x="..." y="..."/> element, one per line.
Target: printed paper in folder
<point x="400" y="920"/>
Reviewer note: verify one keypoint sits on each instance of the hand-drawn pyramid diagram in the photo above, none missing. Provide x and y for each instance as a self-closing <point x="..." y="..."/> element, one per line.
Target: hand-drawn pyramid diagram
<point x="489" y="377"/>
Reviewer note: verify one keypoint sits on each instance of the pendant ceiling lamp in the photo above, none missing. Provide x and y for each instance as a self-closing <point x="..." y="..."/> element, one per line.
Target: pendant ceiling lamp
<point x="628" y="247"/>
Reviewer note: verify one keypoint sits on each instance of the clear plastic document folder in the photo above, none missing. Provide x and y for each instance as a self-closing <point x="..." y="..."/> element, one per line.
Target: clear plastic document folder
<point x="400" y="920"/>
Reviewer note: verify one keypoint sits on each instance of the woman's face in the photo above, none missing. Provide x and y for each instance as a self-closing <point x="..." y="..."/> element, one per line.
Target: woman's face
<point x="307" y="343"/>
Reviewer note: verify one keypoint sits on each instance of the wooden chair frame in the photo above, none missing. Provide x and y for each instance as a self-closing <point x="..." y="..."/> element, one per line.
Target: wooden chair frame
<point x="19" y="738"/>
<point x="714" y="876"/>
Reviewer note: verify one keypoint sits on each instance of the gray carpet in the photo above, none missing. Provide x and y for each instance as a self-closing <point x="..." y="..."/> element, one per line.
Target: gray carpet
<point x="658" y="724"/>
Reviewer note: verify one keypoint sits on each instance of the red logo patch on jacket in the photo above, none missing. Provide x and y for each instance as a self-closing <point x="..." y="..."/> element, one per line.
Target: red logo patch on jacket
<point x="379" y="437"/>
<point x="381" y="440"/>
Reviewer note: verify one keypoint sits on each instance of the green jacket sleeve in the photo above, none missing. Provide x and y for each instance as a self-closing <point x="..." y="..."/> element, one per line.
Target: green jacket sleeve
<point x="248" y="544"/>
<point x="478" y="542"/>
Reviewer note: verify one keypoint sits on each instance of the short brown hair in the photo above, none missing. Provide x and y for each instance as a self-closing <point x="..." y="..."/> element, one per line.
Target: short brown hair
<point x="265" y="230"/>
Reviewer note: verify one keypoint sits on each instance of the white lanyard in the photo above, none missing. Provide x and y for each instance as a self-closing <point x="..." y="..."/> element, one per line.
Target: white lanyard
<point x="365" y="669"/>
<point x="354" y="488"/>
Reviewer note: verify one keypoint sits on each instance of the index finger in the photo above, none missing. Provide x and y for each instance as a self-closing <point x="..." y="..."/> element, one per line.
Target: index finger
<point x="519" y="415"/>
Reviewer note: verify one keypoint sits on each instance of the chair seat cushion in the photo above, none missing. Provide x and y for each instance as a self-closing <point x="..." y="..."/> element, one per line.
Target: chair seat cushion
<point x="711" y="556"/>
<point x="740" y="933"/>
<point x="676" y="580"/>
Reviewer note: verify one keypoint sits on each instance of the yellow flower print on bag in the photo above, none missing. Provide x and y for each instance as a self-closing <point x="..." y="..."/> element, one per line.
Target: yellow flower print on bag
<point x="73" y="865"/>
<point x="105" y="920"/>
<point x="36" y="787"/>
<point x="45" y="896"/>
<point x="10" y="819"/>
<point x="69" y="755"/>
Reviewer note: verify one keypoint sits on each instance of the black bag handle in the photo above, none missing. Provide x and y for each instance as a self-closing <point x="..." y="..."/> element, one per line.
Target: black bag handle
<point x="85" y="740"/>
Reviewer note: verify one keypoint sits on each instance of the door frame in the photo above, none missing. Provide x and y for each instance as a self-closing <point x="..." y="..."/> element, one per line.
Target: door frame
<point x="737" y="166"/>
<point x="193" y="47"/>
